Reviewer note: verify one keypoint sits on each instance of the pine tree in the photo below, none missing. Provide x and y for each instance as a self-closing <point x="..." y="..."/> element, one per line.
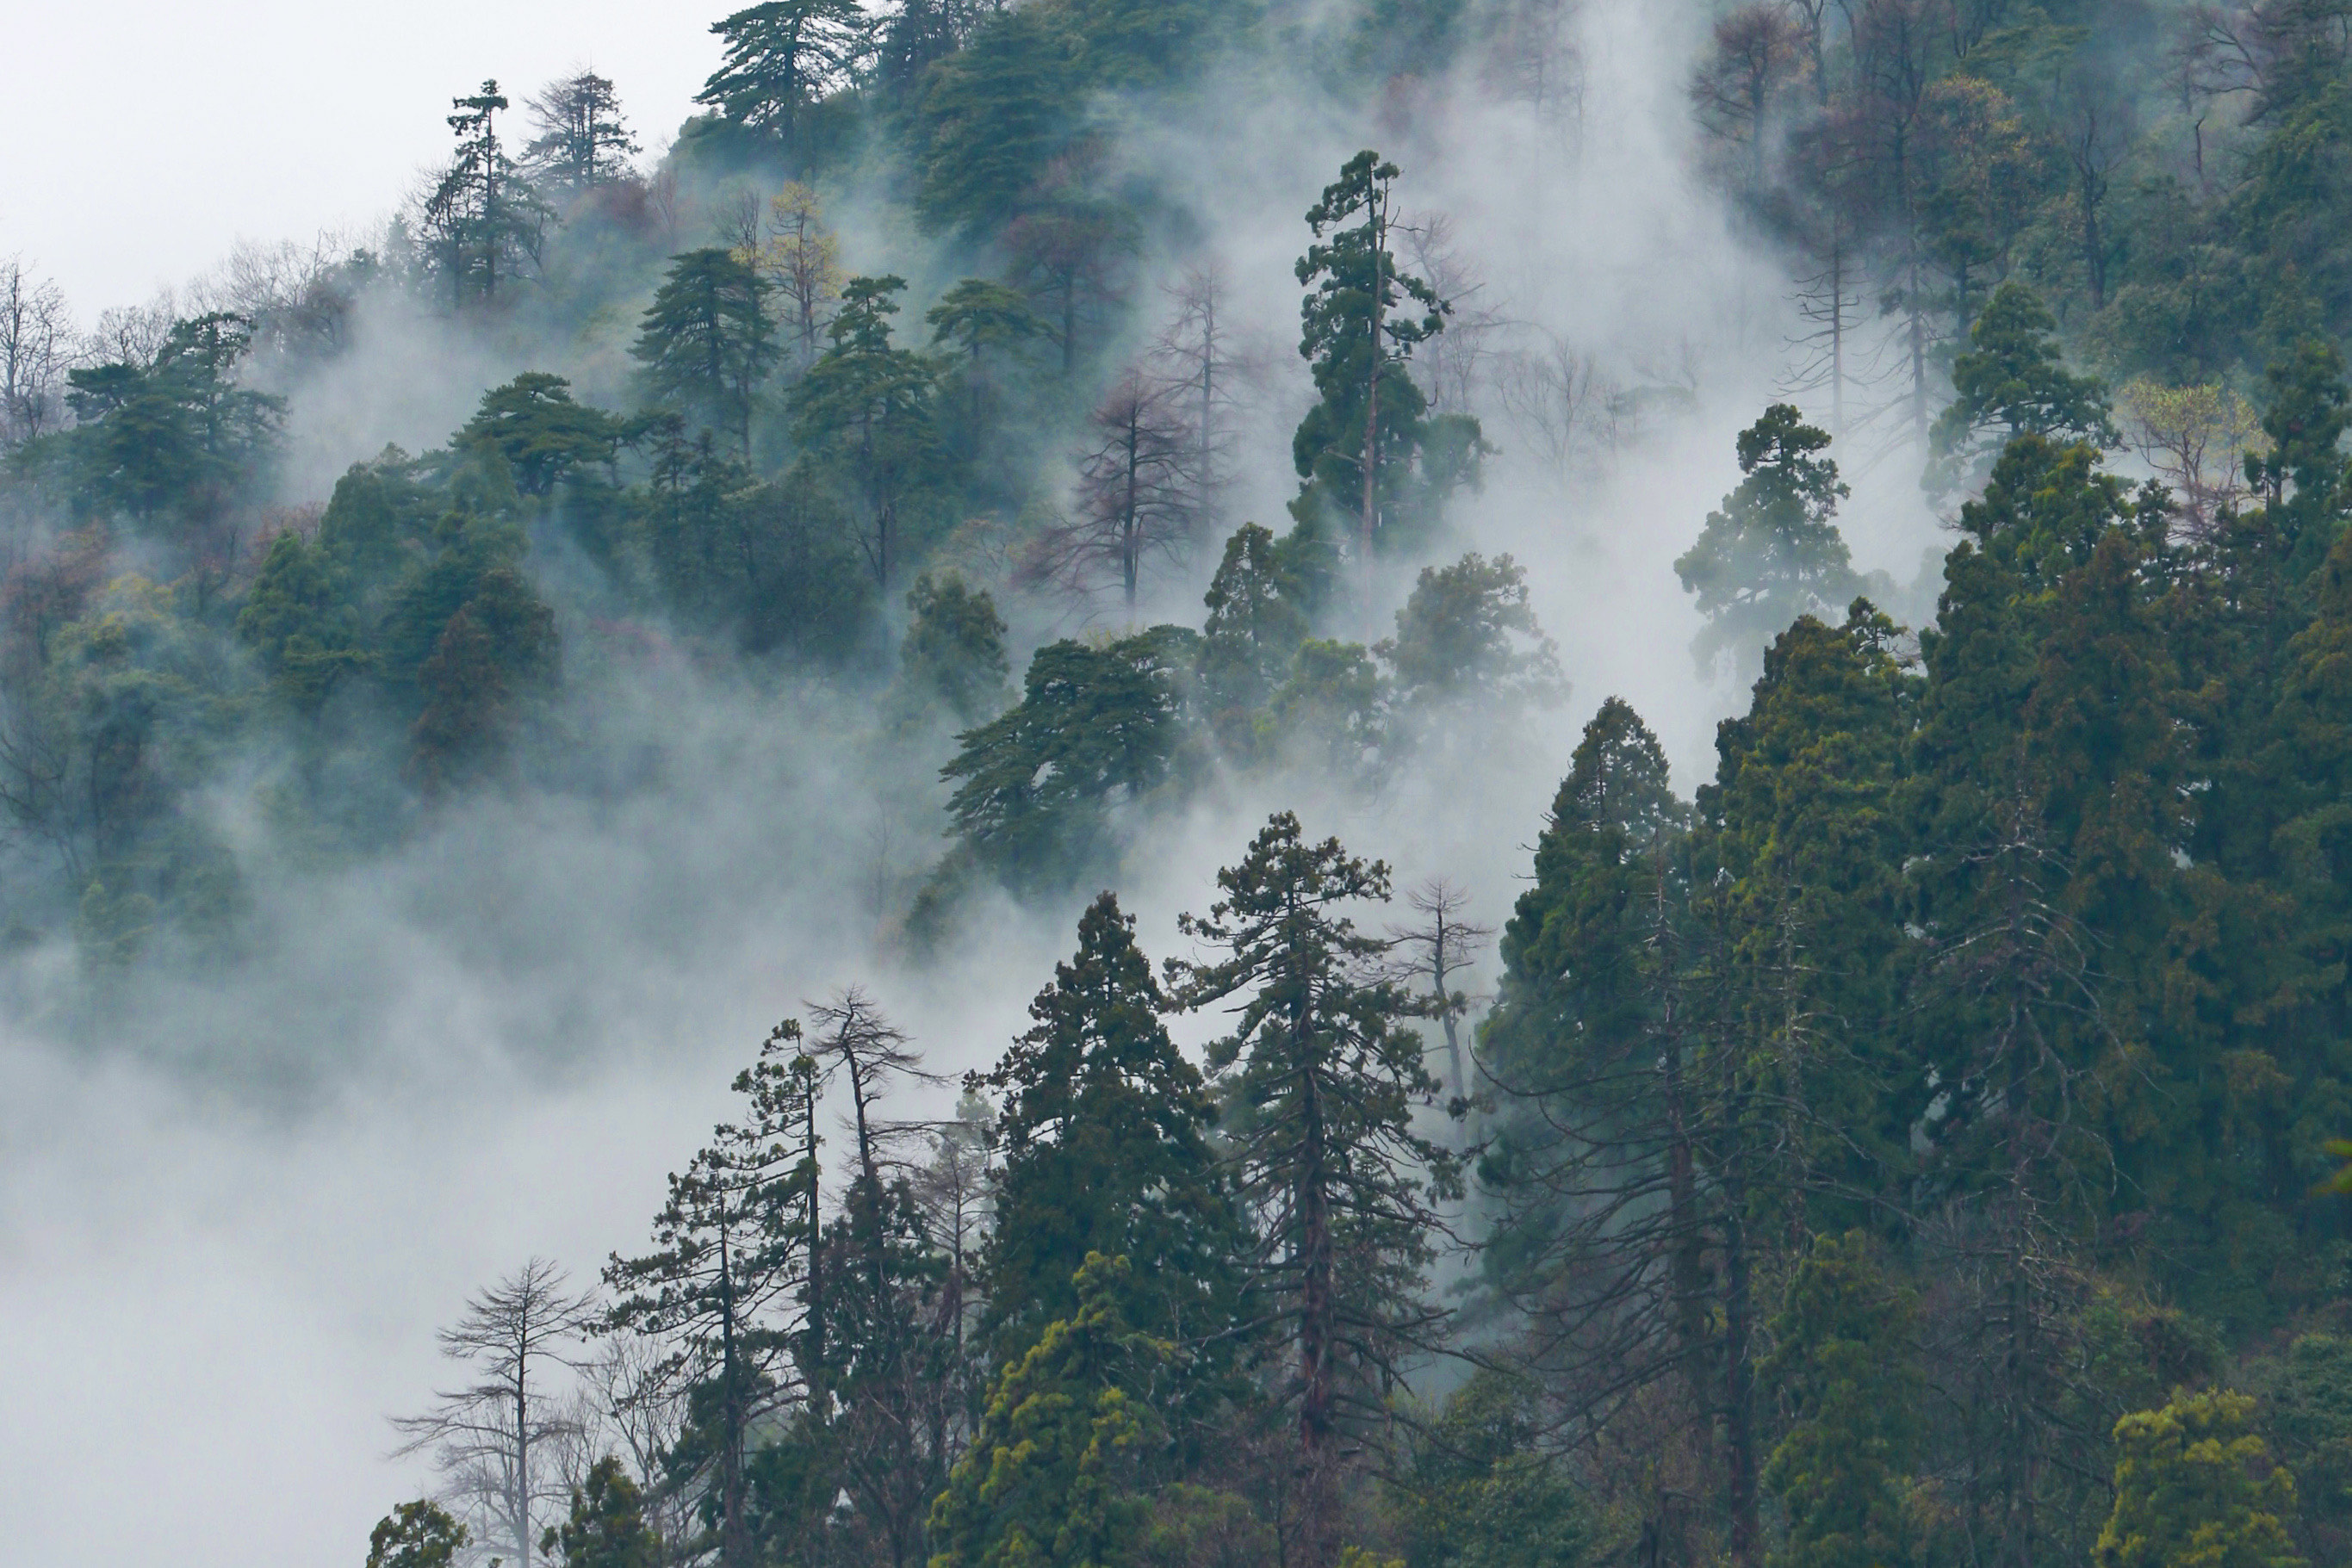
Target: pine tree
<point x="706" y="343"/>
<point x="1323" y="1079"/>
<point x="781" y="58"/>
<point x="1254" y="625"/>
<point x="869" y="405"/>
<point x="732" y="1248"/>
<point x="1772" y="552"/>
<point x="2009" y="383"/>
<point x="955" y="649"/>
<point x="1105" y="1133"/>
<point x="419" y="1534"/>
<point x="582" y="142"/>
<point x="607" y="1525"/>
<point x="1056" y="1473"/>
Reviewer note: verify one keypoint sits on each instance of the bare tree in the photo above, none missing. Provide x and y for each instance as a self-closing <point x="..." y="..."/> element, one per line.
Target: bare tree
<point x="1197" y="355"/>
<point x="1452" y="363"/>
<point x="1567" y="407"/>
<point x="631" y="1404"/>
<point x="1138" y="495"/>
<point x="37" y="347"/>
<point x="493" y="1438"/>
<point x="1430" y="956"/>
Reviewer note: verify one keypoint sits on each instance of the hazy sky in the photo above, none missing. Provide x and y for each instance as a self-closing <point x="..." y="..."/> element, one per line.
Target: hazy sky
<point x="171" y="132"/>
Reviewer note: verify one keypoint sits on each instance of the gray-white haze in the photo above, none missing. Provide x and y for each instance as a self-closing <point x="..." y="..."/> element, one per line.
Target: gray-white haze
<point x="226" y="1239"/>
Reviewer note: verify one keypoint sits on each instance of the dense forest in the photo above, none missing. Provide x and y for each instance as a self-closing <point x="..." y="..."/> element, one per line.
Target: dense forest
<point x="1912" y="1143"/>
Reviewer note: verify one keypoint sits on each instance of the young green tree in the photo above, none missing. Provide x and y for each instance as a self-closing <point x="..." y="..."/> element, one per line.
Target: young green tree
<point x="731" y="1248"/>
<point x="706" y="343"/>
<point x="1772" y="552"/>
<point x="607" y="1525"/>
<point x="1056" y="1473"/>
<point x="1467" y="639"/>
<point x="1105" y="1133"/>
<point x="2193" y="1485"/>
<point x="419" y="1534"/>
<point x="1323" y="1079"/>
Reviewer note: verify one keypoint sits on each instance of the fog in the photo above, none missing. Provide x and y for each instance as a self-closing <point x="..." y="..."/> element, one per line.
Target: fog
<point x="233" y="1211"/>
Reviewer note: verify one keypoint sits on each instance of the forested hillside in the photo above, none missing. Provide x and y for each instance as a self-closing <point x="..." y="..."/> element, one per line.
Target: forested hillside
<point x="1017" y="480"/>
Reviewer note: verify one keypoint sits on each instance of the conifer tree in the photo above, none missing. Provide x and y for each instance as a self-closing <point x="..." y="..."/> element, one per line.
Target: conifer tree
<point x="607" y="1527"/>
<point x="869" y="405"/>
<point x="782" y="58"/>
<point x="706" y="343"/>
<point x="1772" y="552"/>
<point x="2010" y="382"/>
<point x="583" y="142"/>
<point x="732" y="1248"/>
<point x="1323" y="1079"/>
<point x="1254" y="625"/>
<point x="1105" y="1137"/>
<point x="419" y="1534"/>
<point x="2192" y="1486"/>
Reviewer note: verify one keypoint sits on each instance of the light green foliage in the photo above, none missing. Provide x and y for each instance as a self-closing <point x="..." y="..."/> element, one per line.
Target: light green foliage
<point x="1053" y="1478"/>
<point x="1772" y="552"/>
<point x="607" y="1528"/>
<point x="419" y="1534"/>
<point x="2194" y="1488"/>
<point x="1843" y="1366"/>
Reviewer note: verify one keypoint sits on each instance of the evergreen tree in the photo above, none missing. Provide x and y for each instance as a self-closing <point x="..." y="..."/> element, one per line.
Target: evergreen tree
<point x="706" y="343"/>
<point x="582" y="142"/>
<point x="607" y="1527"/>
<point x="1254" y="625"/>
<point x="1770" y="553"/>
<point x="482" y="217"/>
<point x="1366" y="450"/>
<point x="1839" y="1365"/>
<point x="731" y="1247"/>
<point x="869" y="405"/>
<point x="1057" y="1472"/>
<point x="781" y="58"/>
<point x="1105" y="1137"/>
<point x="419" y="1534"/>
<point x="2192" y="1486"/>
<point x="955" y="649"/>
<point x="1095" y="726"/>
<point x="1323" y="1079"/>
<point x="543" y="434"/>
<point x="2009" y="383"/>
<point x="1468" y="638"/>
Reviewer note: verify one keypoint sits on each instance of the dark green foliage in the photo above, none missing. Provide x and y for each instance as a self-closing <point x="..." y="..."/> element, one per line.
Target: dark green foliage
<point x="992" y="118"/>
<point x="783" y="57"/>
<point x="706" y="343"/>
<point x="2011" y="383"/>
<point x="1096" y="727"/>
<point x="1105" y="1133"/>
<point x="178" y="439"/>
<point x="867" y="406"/>
<point x="1254" y="625"/>
<point x="1770" y="553"/>
<point x="1321" y="1076"/>
<point x="1467" y="639"/>
<point x="541" y="432"/>
<point x="607" y="1528"/>
<point x="1841" y="1366"/>
<point x="419" y="1534"/>
<point x="1368" y="441"/>
<point x="1483" y="1492"/>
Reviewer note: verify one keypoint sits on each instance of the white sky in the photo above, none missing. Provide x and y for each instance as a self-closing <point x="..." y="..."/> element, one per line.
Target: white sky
<point x="167" y="133"/>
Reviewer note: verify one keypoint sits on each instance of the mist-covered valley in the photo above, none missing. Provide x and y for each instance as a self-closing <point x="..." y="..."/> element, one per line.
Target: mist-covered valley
<point x="1806" y="542"/>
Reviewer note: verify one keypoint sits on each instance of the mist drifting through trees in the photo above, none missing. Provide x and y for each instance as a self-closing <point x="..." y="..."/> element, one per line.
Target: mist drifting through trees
<point x="1205" y="784"/>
